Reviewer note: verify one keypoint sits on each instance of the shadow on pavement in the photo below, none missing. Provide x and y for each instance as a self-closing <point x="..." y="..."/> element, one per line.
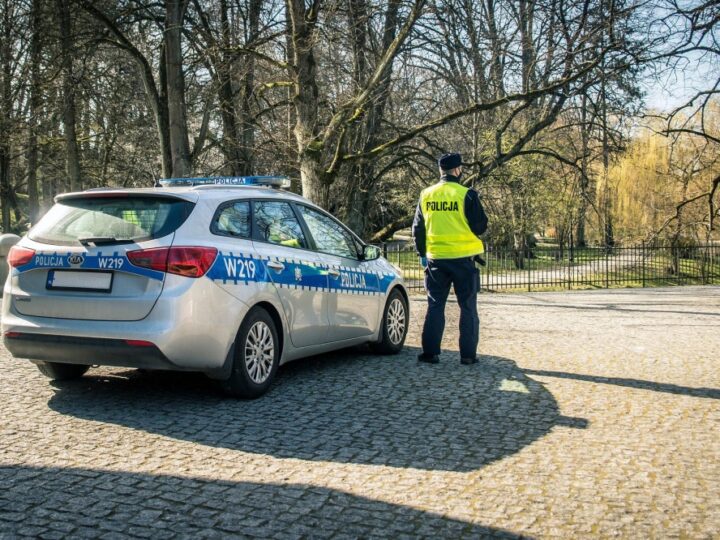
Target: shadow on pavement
<point x="90" y="503"/>
<point x="348" y="407"/>
<point x="712" y="393"/>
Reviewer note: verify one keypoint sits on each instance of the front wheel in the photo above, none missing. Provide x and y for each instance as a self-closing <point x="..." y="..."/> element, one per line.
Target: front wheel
<point x="257" y="355"/>
<point x="62" y="372"/>
<point x="394" y="325"/>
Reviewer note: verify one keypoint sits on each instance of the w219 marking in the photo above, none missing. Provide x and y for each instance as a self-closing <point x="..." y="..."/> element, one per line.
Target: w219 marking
<point x="239" y="268"/>
<point x="111" y="263"/>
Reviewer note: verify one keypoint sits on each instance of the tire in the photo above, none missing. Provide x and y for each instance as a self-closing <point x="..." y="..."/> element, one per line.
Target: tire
<point x="396" y="318"/>
<point x="62" y="372"/>
<point x="257" y="355"/>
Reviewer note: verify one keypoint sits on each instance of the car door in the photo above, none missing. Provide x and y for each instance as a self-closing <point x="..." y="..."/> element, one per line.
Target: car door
<point x="294" y="270"/>
<point x="237" y="268"/>
<point x="353" y="294"/>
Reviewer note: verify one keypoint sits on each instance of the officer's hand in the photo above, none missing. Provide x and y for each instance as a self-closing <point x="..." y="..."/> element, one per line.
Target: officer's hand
<point x="423" y="262"/>
<point x="479" y="260"/>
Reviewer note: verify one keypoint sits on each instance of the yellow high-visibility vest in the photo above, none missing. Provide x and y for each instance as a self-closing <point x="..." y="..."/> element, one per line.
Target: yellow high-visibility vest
<point x="447" y="233"/>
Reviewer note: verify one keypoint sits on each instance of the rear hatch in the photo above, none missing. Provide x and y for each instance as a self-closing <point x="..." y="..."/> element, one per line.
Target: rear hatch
<point x="79" y="258"/>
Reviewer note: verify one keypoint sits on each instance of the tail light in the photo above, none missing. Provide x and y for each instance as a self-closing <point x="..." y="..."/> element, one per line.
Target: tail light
<point x="186" y="261"/>
<point x="155" y="259"/>
<point x="20" y="256"/>
<point x="139" y="343"/>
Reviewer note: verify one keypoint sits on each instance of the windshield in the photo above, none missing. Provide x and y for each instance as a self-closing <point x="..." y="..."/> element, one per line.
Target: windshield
<point x="110" y="220"/>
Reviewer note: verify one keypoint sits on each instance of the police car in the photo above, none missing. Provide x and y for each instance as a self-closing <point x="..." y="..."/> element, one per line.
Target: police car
<point x="229" y="276"/>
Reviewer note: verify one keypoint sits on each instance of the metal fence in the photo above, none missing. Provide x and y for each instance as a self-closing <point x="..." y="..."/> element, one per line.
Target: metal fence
<point x="552" y="268"/>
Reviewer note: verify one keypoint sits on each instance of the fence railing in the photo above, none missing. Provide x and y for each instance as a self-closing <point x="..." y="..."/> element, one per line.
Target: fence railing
<point x="552" y="268"/>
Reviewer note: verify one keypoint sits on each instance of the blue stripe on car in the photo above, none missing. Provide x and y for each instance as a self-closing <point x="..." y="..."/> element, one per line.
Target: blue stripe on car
<point x="114" y="262"/>
<point x="239" y="268"/>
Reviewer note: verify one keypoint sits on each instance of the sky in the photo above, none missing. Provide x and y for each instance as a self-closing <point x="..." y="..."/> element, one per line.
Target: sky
<point x="677" y="87"/>
<point x="682" y="78"/>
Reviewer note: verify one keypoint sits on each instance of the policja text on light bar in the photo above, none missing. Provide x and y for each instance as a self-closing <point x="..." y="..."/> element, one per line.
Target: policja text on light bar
<point x="270" y="181"/>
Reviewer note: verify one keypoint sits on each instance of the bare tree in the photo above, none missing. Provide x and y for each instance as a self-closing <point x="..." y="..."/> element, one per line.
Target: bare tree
<point x="231" y="57"/>
<point x="695" y="38"/>
<point x="69" y="115"/>
<point x="12" y="48"/>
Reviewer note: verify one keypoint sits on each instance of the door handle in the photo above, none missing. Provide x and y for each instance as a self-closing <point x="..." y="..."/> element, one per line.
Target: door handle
<point x="277" y="266"/>
<point x="334" y="273"/>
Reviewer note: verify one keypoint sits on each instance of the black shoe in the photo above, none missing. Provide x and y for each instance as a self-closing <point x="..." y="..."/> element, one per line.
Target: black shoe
<point x="428" y="358"/>
<point x="468" y="361"/>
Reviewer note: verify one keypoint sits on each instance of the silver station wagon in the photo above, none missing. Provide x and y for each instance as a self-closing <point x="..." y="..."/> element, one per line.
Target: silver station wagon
<point x="228" y="276"/>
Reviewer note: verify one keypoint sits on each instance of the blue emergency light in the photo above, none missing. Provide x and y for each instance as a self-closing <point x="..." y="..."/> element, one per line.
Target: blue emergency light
<point x="270" y="181"/>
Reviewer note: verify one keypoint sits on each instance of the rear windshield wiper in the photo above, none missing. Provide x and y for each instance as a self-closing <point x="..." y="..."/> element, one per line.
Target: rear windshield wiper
<point x="104" y="240"/>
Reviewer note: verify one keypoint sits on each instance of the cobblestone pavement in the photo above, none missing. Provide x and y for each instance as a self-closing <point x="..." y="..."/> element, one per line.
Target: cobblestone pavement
<point x="592" y="414"/>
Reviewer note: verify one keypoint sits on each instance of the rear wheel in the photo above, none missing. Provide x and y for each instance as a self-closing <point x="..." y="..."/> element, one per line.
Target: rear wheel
<point x="62" y="372"/>
<point x="257" y="355"/>
<point x="394" y="325"/>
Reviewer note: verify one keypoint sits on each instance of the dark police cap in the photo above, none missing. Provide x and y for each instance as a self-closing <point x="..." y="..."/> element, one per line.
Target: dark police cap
<point x="449" y="161"/>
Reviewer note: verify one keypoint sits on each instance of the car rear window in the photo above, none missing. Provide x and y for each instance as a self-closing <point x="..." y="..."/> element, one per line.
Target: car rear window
<point x="109" y="220"/>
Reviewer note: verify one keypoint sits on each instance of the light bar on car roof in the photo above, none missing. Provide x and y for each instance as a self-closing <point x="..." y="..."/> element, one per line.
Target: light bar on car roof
<point x="270" y="181"/>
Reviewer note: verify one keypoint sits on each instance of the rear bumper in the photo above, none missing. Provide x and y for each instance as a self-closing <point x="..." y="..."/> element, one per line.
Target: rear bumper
<point x="87" y="351"/>
<point x="193" y="326"/>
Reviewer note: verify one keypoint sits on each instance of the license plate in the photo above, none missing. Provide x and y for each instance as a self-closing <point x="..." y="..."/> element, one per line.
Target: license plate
<point x="69" y="280"/>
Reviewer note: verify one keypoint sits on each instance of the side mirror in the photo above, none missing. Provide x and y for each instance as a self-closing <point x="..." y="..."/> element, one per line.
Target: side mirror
<point x="370" y="253"/>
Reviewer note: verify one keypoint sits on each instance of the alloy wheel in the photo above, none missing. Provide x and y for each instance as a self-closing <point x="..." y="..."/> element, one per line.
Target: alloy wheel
<point x="259" y="352"/>
<point x="396" y="321"/>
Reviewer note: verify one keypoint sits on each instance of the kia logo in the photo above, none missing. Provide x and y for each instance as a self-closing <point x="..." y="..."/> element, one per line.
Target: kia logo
<point x="76" y="259"/>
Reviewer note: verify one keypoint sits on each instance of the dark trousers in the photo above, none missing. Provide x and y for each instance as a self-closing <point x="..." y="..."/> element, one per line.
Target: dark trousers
<point x="465" y="278"/>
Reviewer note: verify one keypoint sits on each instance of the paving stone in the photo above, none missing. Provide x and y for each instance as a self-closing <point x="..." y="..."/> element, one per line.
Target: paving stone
<point x="590" y="414"/>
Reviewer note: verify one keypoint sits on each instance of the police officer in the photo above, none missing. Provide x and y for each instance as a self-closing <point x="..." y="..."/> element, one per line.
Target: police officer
<point x="448" y="220"/>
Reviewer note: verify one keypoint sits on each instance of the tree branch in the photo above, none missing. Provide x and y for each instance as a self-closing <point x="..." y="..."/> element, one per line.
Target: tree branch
<point x="693" y="132"/>
<point x="389" y="229"/>
<point x="124" y="43"/>
<point x="357" y="104"/>
<point x="476" y="107"/>
<point x="710" y="194"/>
<point x="262" y="56"/>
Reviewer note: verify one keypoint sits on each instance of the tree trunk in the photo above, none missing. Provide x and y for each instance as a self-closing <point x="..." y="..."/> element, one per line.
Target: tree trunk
<point x="496" y="69"/>
<point x="526" y="38"/>
<point x="358" y="21"/>
<point x="609" y="233"/>
<point x="72" y="153"/>
<point x="6" y="192"/>
<point x="313" y="187"/>
<point x="162" y="116"/>
<point x="226" y="97"/>
<point x="519" y="235"/>
<point x="305" y="99"/>
<point x="35" y="110"/>
<point x="362" y="183"/>
<point x="362" y="189"/>
<point x="248" y="123"/>
<point x="50" y="181"/>
<point x="581" y="241"/>
<point x="175" y="87"/>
